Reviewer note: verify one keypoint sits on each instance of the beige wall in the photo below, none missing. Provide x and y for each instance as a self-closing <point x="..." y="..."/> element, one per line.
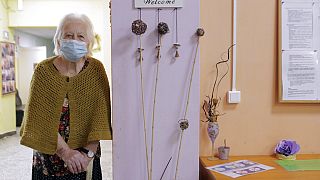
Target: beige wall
<point x="256" y="124"/>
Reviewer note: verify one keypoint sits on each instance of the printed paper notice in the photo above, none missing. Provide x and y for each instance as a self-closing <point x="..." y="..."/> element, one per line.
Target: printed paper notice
<point x="297" y="26"/>
<point x="239" y="168"/>
<point x="300" y="75"/>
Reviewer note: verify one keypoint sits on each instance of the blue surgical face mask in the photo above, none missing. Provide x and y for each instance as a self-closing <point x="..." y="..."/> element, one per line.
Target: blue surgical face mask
<point x="73" y="50"/>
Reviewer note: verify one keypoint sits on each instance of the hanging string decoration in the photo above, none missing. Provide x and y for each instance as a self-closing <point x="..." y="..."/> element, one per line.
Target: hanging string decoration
<point x="140" y="53"/>
<point x="176" y="45"/>
<point x="158" y="46"/>
<point x="139" y="28"/>
<point x="184" y="124"/>
<point x="163" y="29"/>
<point x="200" y="32"/>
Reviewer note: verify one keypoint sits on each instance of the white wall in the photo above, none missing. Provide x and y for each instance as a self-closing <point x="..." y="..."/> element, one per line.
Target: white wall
<point x="47" y="13"/>
<point x="27" y="57"/>
<point x="28" y="40"/>
<point x="27" y="44"/>
<point x="4" y="20"/>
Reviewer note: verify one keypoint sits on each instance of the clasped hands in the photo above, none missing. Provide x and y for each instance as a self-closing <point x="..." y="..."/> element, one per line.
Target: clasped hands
<point x="76" y="161"/>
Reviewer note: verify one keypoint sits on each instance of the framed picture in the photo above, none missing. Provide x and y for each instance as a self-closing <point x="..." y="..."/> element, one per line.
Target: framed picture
<point x="7" y="59"/>
<point x="298" y="51"/>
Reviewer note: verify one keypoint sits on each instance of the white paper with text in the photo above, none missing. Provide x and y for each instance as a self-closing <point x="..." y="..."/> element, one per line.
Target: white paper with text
<point x="300" y="75"/>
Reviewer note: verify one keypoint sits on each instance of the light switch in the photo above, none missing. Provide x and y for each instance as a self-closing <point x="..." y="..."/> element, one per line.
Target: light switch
<point x="234" y="97"/>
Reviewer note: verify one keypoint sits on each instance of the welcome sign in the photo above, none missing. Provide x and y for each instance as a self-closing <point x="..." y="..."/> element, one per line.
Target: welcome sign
<point x="158" y="3"/>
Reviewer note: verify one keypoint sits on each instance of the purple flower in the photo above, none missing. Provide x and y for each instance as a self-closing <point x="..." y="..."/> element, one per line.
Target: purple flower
<point x="287" y="147"/>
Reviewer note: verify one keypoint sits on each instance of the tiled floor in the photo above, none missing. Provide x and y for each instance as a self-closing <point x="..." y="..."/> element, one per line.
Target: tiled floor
<point x="16" y="160"/>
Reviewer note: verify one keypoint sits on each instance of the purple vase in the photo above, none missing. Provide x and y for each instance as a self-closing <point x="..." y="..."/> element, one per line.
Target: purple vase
<point x="213" y="131"/>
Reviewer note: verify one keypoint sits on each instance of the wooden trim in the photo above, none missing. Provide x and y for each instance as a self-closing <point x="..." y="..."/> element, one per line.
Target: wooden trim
<point x="8" y="134"/>
<point x="280" y="50"/>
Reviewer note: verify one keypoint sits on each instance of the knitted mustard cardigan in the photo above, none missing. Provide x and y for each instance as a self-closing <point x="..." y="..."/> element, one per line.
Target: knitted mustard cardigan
<point x="89" y="102"/>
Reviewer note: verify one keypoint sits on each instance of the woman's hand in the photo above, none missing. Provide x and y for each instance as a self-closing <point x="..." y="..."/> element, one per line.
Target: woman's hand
<point x="75" y="161"/>
<point x="86" y="160"/>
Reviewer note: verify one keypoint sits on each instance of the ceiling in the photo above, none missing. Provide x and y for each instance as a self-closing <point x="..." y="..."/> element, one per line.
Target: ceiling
<point x="47" y="32"/>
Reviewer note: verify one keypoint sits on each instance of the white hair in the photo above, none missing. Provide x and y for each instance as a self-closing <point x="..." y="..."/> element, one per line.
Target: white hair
<point x="72" y="17"/>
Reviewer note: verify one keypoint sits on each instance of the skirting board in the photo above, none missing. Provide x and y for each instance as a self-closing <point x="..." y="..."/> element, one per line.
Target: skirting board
<point x="7" y="134"/>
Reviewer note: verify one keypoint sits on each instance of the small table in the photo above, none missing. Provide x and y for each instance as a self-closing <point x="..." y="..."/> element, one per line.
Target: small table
<point x="279" y="173"/>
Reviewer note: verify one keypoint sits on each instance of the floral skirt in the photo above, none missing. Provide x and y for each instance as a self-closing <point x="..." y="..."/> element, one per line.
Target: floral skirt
<point x="37" y="173"/>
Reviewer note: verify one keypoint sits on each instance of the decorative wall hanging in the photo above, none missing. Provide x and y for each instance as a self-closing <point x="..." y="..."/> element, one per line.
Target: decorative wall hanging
<point x="158" y="3"/>
<point x="162" y="30"/>
<point x="184" y="123"/>
<point x="210" y="106"/>
<point x="176" y="45"/>
<point x="139" y="28"/>
<point x="8" y="67"/>
<point x="160" y="71"/>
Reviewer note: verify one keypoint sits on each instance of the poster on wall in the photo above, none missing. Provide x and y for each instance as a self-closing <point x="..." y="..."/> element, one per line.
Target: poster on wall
<point x="158" y="3"/>
<point x="7" y="67"/>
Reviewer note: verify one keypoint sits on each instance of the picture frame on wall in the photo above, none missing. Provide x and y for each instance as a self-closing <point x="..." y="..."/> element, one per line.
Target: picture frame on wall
<point x="298" y="51"/>
<point x="7" y="60"/>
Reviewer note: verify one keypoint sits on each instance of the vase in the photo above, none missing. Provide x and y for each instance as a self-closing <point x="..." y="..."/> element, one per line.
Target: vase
<point x="283" y="157"/>
<point x="213" y="132"/>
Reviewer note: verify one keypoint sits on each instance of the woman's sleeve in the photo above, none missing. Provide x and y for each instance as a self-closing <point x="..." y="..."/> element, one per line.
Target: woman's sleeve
<point x="32" y="84"/>
<point x="35" y="123"/>
<point x="101" y="128"/>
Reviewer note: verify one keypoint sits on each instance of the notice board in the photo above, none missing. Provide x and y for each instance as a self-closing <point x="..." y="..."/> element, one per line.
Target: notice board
<point x="299" y="45"/>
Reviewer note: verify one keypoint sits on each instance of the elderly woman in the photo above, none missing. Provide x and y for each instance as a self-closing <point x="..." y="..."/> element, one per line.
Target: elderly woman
<point x="68" y="111"/>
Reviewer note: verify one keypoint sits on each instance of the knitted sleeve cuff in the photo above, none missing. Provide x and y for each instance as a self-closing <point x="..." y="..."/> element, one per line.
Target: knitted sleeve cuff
<point x="99" y="135"/>
<point x="44" y="147"/>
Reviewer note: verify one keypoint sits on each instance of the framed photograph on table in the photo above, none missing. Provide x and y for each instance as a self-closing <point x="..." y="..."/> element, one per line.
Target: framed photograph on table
<point x="7" y="60"/>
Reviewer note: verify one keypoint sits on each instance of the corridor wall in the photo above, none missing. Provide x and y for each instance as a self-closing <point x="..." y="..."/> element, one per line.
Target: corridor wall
<point x="7" y="102"/>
